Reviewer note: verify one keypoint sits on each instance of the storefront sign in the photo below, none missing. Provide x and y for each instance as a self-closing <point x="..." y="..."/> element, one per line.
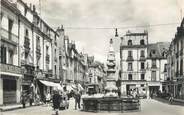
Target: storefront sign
<point x="10" y="68"/>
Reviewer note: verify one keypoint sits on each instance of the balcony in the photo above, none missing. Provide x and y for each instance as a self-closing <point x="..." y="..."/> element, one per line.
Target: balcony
<point x="153" y="67"/>
<point x="9" y="37"/>
<point x="142" y="58"/>
<point x="26" y="44"/>
<point x="130" y="58"/>
<point x="10" y="68"/>
<point x="47" y="58"/>
<point x="129" y="69"/>
<point x="143" y="70"/>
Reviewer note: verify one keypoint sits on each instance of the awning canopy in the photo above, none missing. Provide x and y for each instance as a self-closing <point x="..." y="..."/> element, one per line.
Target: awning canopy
<point x="52" y="84"/>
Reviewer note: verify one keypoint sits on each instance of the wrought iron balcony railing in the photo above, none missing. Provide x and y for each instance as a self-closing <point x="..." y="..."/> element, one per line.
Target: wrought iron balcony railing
<point x="130" y="58"/>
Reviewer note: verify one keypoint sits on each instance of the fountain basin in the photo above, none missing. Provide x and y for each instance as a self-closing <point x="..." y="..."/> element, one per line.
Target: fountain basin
<point x="110" y="104"/>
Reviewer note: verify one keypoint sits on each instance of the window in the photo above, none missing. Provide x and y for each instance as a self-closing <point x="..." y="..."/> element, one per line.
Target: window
<point x="142" y="65"/>
<point x="10" y="57"/>
<point x="10" y="26"/>
<point x="181" y="67"/>
<point x="165" y="67"/>
<point x="129" y="66"/>
<point x="55" y="69"/>
<point x="37" y="40"/>
<point x="181" y="46"/>
<point x="55" y="52"/>
<point x="129" y="42"/>
<point x="90" y="80"/>
<point x="177" y="67"/>
<point x="142" y="76"/>
<point x="47" y="49"/>
<point x="3" y="54"/>
<point x="153" y="76"/>
<point x="142" y="85"/>
<point x="142" y="42"/>
<point x="26" y="33"/>
<point x="154" y="63"/>
<point x="142" y="53"/>
<point x="129" y="53"/>
<point x="129" y="76"/>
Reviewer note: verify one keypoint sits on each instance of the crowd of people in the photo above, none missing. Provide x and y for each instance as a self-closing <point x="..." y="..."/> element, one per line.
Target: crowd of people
<point x="54" y="98"/>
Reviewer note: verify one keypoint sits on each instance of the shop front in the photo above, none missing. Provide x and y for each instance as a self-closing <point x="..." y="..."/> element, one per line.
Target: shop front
<point x="10" y="84"/>
<point x="28" y="77"/>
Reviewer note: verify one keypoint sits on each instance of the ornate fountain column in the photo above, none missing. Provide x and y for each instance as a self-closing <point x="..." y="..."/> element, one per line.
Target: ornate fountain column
<point x="111" y="69"/>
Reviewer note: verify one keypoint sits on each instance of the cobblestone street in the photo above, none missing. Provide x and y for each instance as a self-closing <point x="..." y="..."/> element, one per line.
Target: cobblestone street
<point x="148" y="107"/>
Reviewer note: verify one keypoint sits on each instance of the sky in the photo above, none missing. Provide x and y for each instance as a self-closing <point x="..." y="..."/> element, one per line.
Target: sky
<point x="77" y="15"/>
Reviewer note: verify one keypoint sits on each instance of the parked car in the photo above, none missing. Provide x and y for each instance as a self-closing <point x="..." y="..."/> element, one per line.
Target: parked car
<point x="64" y="102"/>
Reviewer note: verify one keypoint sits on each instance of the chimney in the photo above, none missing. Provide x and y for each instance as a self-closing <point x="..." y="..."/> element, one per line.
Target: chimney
<point x="34" y="8"/>
<point x="30" y="6"/>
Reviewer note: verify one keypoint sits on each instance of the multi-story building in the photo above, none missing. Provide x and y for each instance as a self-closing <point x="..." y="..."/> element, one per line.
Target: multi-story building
<point x="156" y="67"/>
<point x="96" y="73"/>
<point x="10" y="70"/>
<point x="133" y="53"/>
<point x="76" y="64"/>
<point x="176" y="64"/>
<point x="29" y="52"/>
<point x="143" y="65"/>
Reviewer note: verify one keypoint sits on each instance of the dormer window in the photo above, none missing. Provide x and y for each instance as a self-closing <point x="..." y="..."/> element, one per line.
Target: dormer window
<point x="142" y="42"/>
<point x="129" y="42"/>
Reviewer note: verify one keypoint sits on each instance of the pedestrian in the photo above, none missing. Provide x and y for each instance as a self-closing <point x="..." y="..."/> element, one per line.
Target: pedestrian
<point x="48" y="98"/>
<point x="171" y="98"/>
<point x="77" y="99"/>
<point x="23" y="99"/>
<point x="56" y="101"/>
<point x="30" y="99"/>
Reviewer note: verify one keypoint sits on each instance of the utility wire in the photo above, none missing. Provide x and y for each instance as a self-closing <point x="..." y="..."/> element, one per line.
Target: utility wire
<point x="124" y="27"/>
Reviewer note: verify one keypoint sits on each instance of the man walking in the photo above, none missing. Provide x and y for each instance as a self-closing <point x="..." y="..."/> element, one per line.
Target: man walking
<point x="77" y="99"/>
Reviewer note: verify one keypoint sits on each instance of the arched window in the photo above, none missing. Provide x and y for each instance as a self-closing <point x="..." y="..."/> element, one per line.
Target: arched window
<point x="129" y="42"/>
<point x="142" y="42"/>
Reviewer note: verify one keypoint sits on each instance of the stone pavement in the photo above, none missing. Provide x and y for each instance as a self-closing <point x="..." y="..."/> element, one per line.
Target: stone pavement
<point x="148" y="107"/>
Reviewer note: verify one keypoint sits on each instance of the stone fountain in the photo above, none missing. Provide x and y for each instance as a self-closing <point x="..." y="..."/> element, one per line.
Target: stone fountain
<point x="111" y="89"/>
<point x="110" y="100"/>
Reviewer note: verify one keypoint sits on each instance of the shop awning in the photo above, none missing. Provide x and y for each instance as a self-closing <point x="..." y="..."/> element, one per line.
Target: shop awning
<point x="52" y="84"/>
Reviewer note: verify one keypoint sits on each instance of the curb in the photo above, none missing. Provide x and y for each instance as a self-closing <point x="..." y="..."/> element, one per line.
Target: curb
<point x="18" y="107"/>
<point x="166" y="101"/>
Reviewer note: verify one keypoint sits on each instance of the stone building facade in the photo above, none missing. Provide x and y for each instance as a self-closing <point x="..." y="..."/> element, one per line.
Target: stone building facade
<point x="143" y="65"/>
<point x="175" y="56"/>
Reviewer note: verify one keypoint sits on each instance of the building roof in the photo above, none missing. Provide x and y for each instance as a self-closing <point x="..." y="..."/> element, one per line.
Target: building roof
<point x="158" y="50"/>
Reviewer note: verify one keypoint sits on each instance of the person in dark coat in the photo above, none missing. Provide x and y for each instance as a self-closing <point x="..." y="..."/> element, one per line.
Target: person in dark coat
<point x="23" y="99"/>
<point x="56" y="101"/>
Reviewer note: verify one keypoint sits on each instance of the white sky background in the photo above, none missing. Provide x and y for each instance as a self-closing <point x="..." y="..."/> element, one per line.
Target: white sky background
<point x="110" y="13"/>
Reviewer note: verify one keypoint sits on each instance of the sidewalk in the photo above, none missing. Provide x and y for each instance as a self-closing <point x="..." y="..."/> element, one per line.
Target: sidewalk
<point x="15" y="106"/>
<point x="175" y="101"/>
